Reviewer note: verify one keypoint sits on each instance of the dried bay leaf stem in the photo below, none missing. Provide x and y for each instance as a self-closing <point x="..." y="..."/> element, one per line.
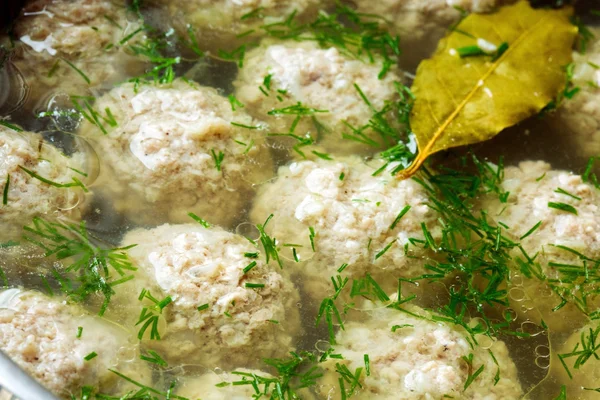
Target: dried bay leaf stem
<point x="461" y="101"/>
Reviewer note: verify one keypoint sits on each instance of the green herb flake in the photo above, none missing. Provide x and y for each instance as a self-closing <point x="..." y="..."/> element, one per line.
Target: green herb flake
<point x="5" y="191"/>
<point x="244" y="126"/>
<point x="90" y="356"/>
<point x="199" y="220"/>
<point x="80" y="72"/>
<point x="79" y="332"/>
<point x="399" y="217"/>
<point x="533" y="229"/>
<point x="254" y="285"/>
<point x="235" y="103"/>
<point x="203" y="307"/>
<point x="563" y="191"/>
<point x="384" y="250"/>
<point x="470" y="51"/>
<point x="248" y="267"/>
<point x="10" y="126"/>
<point x="563" y="207"/>
<point x="367" y="364"/>
<point x="396" y="327"/>
<point x="311" y="237"/>
<point x="154" y="358"/>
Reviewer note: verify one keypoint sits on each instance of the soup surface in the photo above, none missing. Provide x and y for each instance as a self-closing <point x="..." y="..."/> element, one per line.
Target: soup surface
<point x="201" y="200"/>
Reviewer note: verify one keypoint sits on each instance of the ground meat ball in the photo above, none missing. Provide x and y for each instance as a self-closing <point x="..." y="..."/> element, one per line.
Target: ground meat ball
<point x="196" y="266"/>
<point x="78" y="31"/>
<point x="420" y="360"/>
<point x="421" y="24"/>
<point x="39" y="333"/>
<point x="322" y="79"/>
<point x="351" y="213"/>
<point x="160" y="161"/>
<point x="217" y="23"/>
<point x="580" y="116"/>
<point x="27" y="196"/>
<point x="532" y="185"/>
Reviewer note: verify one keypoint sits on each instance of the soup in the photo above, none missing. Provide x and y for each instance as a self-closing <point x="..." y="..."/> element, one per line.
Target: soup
<point x="211" y="199"/>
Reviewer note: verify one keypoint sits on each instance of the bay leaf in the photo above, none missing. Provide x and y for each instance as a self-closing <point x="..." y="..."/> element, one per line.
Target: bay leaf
<point x="466" y="100"/>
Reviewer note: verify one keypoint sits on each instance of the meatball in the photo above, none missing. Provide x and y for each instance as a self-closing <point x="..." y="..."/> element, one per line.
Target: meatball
<point x="417" y="358"/>
<point x="247" y="316"/>
<point x="89" y="34"/>
<point x="580" y="115"/>
<point x="321" y="79"/>
<point x="353" y="215"/>
<point x="174" y="150"/>
<point x="217" y="24"/>
<point x="421" y="24"/>
<point x="533" y="185"/>
<point x="28" y="196"/>
<point x="40" y="334"/>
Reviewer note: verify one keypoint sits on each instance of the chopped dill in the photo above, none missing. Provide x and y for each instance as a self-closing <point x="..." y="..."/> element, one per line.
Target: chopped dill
<point x="251" y="255"/>
<point x="399" y="217"/>
<point x="563" y="191"/>
<point x="254" y="285"/>
<point x="587" y="347"/>
<point x="54" y="68"/>
<point x="342" y="176"/>
<point x="249" y="267"/>
<point x="563" y="393"/>
<point x="348" y="377"/>
<point x="144" y="392"/>
<point x="80" y="72"/>
<point x="356" y="35"/>
<point x="328" y="309"/>
<point x="130" y="36"/>
<point x="588" y="175"/>
<point x="311" y="237"/>
<point x="472" y="375"/>
<point x="149" y="316"/>
<point x="5" y="190"/>
<point x="470" y="51"/>
<point x="251" y="127"/>
<point x="76" y="182"/>
<point x="342" y="268"/>
<point x="93" y="265"/>
<point x="10" y="126"/>
<point x="533" y="229"/>
<point x="154" y="358"/>
<point x="218" y="158"/>
<point x="235" y="103"/>
<point x="203" y="307"/>
<point x="585" y="35"/>
<point x="384" y="250"/>
<point x="323" y="156"/>
<point x="368" y="288"/>
<point x="396" y="327"/>
<point x="563" y="207"/>
<point x="90" y="356"/>
<point x="199" y="220"/>
<point x="256" y="13"/>
<point x="79" y="332"/>
<point x="112" y="21"/>
<point x="269" y="243"/>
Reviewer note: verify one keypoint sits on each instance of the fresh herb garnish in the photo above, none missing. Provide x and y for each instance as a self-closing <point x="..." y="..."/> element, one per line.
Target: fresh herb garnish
<point x="95" y="266"/>
<point x="150" y="315"/>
